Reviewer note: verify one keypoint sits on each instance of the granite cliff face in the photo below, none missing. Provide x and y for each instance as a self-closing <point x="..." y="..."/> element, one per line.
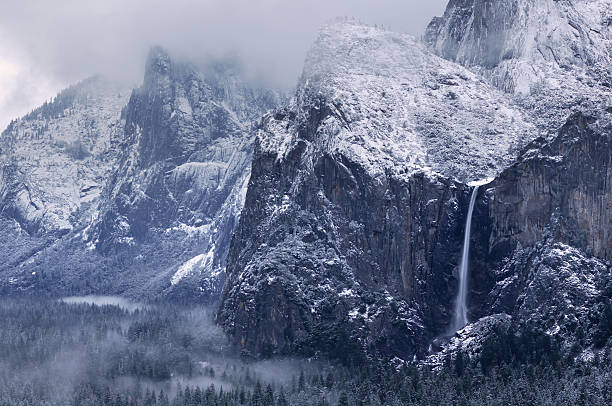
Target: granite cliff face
<point x="554" y="59"/>
<point x="53" y="166"/>
<point x="565" y="184"/>
<point x="353" y="221"/>
<point x="552" y="209"/>
<point x="107" y="192"/>
<point x="185" y="164"/>
<point x="72" y="133"/>
<point x="341" y="233"/>
<point x="519" y="43"/>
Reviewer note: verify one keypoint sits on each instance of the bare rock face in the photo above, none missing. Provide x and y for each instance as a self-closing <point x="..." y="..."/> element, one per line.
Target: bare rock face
<point x="561" y="188"/>
<point x="518" y="43"/>
<point x="134" y="192"/>
<point x="306" y="272"/>
<point x="552" y="207"/>
<point x="54" y="160"/>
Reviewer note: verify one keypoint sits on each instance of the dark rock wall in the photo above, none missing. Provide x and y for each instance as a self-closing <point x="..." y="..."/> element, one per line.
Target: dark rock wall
<point x="395" y="244"/>
<point x="186" y="150"/>
<point x="558" y="192"/>
<point x="323" y="247"/>
<point x="563" y="187"/>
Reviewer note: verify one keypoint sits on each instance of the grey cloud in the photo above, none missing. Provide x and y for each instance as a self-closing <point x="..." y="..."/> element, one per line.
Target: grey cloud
<point x="71" y="39"/>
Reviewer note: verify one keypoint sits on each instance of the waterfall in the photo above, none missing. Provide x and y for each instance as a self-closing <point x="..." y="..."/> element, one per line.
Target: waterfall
<point x="460" y="319"/>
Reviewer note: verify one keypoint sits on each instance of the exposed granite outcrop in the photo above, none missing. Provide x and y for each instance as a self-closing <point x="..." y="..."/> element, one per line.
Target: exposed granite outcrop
<point x="185" y="164"/>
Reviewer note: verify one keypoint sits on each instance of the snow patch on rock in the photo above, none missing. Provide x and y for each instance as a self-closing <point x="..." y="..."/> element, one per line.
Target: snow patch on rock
<point x="201" y="264"/>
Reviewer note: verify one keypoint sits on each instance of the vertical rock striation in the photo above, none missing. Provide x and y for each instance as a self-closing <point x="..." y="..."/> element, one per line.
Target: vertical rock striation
<point x="185" y="163"/>
<point x="518" y="43"/>
<point x="352" y="226"/>
<point x="154" y="178"/>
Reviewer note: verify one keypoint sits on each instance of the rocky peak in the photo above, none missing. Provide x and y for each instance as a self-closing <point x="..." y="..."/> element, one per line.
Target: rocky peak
<point x="519" y="43"/>
<point x="352" y="220"/>
<point x="155" y="177"/>
<point x="158" y="63"/>
<point x="158" y="73"/>
<point x="386" y="101"/>
<point x="354" y="216"/>
<point x="182" y="175"/>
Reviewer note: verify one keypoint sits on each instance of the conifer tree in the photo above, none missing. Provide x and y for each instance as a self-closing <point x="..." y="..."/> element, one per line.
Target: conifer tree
<point x="282" y="399"/>
<point x="301" y="382"/>
<point x="268" y="399"/>
<point x="257" y="397"/>
<point x="343" y="400"/>
<point x="329" y="381"/>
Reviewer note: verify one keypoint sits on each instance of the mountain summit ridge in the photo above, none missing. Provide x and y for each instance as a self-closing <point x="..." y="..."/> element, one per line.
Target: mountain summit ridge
<point x="169" y="186"/>
<point x="374" y="80"/>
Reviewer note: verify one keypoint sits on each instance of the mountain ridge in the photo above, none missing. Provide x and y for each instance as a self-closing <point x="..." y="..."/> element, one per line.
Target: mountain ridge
<point x="332" y="223"/>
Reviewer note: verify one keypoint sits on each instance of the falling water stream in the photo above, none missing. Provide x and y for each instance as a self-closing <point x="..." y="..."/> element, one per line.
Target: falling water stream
<point x="460" y="319"/>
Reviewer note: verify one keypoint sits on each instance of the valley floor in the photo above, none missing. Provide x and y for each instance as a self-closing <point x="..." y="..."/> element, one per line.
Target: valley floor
<point x="106" y="351"/>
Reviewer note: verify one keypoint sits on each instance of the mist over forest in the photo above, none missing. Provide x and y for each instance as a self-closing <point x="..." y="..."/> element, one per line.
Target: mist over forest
<point x="112" y="352"/>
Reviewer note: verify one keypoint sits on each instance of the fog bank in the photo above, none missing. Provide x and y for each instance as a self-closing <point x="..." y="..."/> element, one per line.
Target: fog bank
<point x="45" y="46"/>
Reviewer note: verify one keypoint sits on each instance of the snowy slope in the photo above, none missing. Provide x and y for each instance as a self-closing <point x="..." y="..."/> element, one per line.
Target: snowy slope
<point x="184" y="165"/>
<point x="555" y="55"/>
<point x="354" y="217"/>
<point x="54" y="161"/>
<point x="354" y="210"/>
<point x="520" y="42"/>
<point x="154" y="178"/>
<point x="396" y="105"/>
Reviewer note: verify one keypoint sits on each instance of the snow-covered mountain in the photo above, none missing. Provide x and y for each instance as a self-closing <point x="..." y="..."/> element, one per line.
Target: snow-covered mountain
<point x="519" y="43"/>
<point x="553" y="55"/>
<point x="184" y="166"/>
<point x="55" y="160"/>
<point x="134" y="192"/>
<point x="356" y="200"/>
<point x="352" y="227"/>
<point x="394" y="105"/>
<point x="53" y="166"/>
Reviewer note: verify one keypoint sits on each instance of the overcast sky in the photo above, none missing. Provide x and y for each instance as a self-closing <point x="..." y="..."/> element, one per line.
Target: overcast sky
<point x="46" y="45"/>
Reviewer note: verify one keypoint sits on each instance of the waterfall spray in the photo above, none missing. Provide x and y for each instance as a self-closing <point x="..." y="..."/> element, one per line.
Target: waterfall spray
<point x="460" y="319"/>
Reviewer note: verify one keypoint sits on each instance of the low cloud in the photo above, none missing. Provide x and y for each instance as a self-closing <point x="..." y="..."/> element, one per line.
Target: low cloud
<point x="53" y="44"/>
